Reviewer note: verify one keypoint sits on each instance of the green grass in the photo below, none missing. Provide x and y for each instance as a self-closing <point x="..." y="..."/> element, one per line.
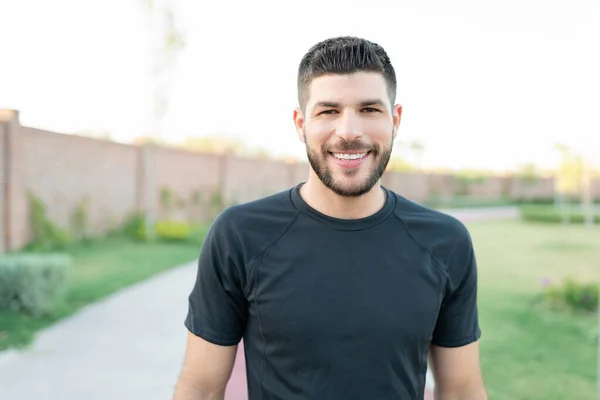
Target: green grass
<point x="99" y="269"/>
<point x="528" y="352"/>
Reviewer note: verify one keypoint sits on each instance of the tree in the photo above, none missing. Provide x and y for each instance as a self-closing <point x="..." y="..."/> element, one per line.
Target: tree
<point x="398" y="164"/>
<point x="574" y="180"/>
<point x="586" y="193"/>
<point x="569" y="172"/>
<point x="217" y="143"/>
<point x="168" y="42"/>
<point x="417" y="148"/>
<point x="528" y="173"/>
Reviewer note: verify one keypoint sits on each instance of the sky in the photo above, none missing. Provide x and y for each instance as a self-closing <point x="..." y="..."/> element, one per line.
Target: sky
<point x="491" y="85"/>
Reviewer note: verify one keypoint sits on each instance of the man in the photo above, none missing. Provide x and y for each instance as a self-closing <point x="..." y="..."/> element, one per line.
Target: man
<point x="340" y="288"/>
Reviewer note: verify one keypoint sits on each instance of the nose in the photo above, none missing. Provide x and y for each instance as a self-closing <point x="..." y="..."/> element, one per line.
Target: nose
<point x="349" y="126"/>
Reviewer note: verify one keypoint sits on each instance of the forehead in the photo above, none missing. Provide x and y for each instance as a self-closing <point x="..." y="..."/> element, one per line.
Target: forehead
<point x="347" y="88"/>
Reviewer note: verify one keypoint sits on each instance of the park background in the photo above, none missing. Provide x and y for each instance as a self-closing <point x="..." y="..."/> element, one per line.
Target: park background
<point x="125" y="127"/>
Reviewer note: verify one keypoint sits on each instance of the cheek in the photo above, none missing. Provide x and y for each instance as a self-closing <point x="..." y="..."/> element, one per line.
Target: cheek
<point x="381" y="128"/>
<point x="381" y="132"/>
<point x="318" y="133"/>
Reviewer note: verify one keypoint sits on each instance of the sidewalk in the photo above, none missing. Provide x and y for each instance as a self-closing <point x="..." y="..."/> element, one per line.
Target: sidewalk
<point x="129" y="346"/>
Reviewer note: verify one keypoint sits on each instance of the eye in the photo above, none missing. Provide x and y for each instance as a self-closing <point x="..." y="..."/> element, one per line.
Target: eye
<point x="328" y="112"/>
<point x="370" y="109"/>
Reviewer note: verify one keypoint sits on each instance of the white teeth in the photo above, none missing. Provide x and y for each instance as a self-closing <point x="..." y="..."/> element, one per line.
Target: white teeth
<point x="343" y="156"/>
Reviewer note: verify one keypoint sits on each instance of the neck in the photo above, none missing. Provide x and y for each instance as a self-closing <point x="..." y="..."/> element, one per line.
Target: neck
<point x="324" y="200"/>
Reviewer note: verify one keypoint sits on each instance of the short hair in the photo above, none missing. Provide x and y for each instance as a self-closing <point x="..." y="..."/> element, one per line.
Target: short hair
<point x="344" y="55"/>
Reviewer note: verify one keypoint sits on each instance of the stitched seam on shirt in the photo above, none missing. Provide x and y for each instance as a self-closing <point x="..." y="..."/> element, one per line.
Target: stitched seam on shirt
<point x="440" y="273"/>
<point x="258" y="258"/>
<point x="251" y="268"/>
<point x="434" y="261"/>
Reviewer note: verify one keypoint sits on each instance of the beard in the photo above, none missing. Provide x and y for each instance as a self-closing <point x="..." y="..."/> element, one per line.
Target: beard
<point x="319" y="163"/>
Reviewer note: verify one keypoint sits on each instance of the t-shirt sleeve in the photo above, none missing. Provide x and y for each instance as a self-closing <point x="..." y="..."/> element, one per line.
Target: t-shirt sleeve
<point x="217" y="306"/>
<point x="458" y="321"/>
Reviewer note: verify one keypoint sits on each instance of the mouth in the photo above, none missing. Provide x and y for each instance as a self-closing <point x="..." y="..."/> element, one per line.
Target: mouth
<point x="350" y="156"/>
<point x="349" y="160"/>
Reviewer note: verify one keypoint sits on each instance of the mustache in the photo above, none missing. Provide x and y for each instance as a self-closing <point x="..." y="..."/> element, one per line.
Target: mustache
<point x="349" y="146"/>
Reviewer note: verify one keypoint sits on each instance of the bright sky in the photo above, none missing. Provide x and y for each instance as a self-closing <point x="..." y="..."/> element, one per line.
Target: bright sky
<point x="483" y="84"/>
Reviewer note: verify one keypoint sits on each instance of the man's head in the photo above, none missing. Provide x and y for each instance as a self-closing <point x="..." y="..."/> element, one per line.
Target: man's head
<point x="346" y="116"/>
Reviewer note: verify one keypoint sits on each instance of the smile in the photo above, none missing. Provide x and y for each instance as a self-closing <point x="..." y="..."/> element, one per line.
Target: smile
<point x="350" y="160"/>
<point x="349" y="156"/>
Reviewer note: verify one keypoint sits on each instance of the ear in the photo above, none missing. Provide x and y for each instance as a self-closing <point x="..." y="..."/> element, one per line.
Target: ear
<point x="396" y="116"/>
<point x="299" y="123"/>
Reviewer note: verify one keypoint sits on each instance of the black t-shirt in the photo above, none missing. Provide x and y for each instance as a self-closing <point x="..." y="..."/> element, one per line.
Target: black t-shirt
<point x="331" y="308"/>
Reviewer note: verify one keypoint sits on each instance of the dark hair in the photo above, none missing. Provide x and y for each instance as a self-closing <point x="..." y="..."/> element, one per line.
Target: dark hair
<point x="344" y="55"/>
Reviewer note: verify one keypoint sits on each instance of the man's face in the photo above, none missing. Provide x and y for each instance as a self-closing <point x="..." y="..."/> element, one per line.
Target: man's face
<point x="348" y="129"/>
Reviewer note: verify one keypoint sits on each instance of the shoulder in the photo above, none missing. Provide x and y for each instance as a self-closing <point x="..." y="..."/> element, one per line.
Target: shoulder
<point x="263" y="213"/>
<point x="444" y="236"/>
<point x="431" y="228"/>
<point x="253" y="225"/>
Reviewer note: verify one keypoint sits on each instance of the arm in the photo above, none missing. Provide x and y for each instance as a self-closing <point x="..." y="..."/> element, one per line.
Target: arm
<point x="454" y="351"/>
<point x="216" y="318"/>
<point x="457" y="373"/>
<point x="206" y="370"/>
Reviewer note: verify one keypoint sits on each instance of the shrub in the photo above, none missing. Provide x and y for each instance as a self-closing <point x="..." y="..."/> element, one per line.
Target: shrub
<point x="33" y="283"/>
<point x="572" y="295"/>
<point x="165" y="229"/>
<point x="462" y="201"/>
<point x="551" y="214"/>
<point x="80" y="222"/>
<point x="134" y="226"/>
<point x="46" y="235"/>
<point x="172" y="230"/>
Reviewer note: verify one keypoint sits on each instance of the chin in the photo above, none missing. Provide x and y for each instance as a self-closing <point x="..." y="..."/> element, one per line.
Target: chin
<point x="353" y="187"/>
<point x="345" y="179"/>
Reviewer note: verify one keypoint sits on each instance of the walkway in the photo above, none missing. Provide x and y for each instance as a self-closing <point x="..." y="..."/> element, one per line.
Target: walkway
<point x="129" y="346"/>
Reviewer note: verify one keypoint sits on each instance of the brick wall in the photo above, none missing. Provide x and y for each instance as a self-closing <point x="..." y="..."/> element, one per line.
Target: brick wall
<point x="64" y="170"/>
<point x="3" y="185"/>
<point x="14" y="208"/>
<point x="248" y="179"/>
<point x="190" y="179"/>
<point x="414" y="186"/>
<point x="116" y="179"/>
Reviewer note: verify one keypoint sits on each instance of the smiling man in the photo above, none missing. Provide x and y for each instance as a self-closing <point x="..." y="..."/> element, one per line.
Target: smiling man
<point x="340" y="288"/>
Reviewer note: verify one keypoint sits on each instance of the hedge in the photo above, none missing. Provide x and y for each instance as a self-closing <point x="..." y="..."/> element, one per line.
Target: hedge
<point x="551" y="214"/>
<point x="33" y="283"/>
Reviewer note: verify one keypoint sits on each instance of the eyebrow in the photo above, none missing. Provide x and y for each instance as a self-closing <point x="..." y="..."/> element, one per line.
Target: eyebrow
<point x="366" y="103"/>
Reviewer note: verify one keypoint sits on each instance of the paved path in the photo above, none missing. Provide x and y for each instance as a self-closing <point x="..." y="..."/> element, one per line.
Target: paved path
<point x="129" y="346"/>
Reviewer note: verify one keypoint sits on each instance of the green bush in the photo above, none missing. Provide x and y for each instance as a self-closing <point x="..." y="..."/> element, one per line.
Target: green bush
<point x="571" y="294"/>
<point x="462" y="201"/>
<point x="46" y="235"/>
<point x="33" y="283"/>
<point x="172" y="230"/>
<point x="164" y="229"/>
<point x="554" y="215"/>
<point x="134" y="226"/>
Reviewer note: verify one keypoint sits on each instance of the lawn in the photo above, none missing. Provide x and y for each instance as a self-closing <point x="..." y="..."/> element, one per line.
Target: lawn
<point x="528" y="352"/>
<point x="99" y="269"/>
